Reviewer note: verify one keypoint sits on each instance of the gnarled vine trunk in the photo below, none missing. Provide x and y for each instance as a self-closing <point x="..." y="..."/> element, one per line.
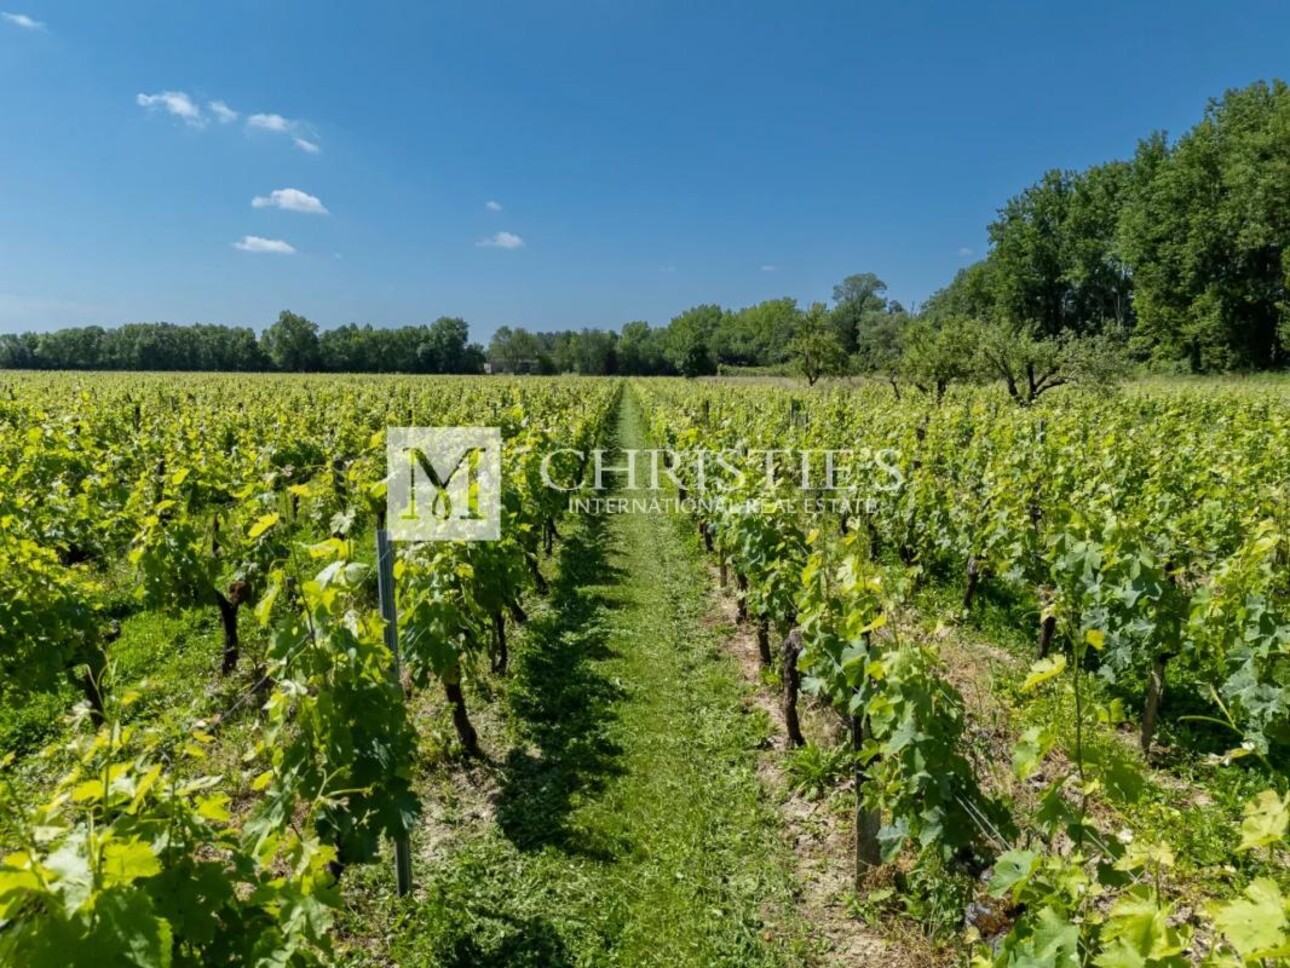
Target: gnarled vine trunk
<point x="973" y="579"/>
<point x="228" y="619"/>
<point x="501" y="656"/>
<point x="460" y="720"/>
<point x="1046" y="631"/>
<point x="539" y="582"/>
<point x="763" y="641"/>
<point x="875" y="539"/>
<point x="1155" y="694"/>
<point x="238" y="592"/>
<point x="792" y="686"/>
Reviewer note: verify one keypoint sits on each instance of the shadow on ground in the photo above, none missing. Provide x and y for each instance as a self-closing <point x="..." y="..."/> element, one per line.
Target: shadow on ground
<point x="529" y="943"/>
<point x="563" y="705"/>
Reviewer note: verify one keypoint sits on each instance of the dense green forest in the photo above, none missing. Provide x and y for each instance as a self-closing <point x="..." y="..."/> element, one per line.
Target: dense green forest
<point x="291" y="344"/>
<point x="1176" y="259"/>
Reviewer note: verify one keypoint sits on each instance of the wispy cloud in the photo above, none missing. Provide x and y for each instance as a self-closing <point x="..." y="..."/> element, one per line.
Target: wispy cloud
<point x="769" y="268"/>
<point x="253" y="243"/>
<point x="667" y="269"/>
<point x="270" y="122"/>
<point x="223" y="113"/>
<point x="290" y="200"/>
<point x="179" y="104"/>
<point x="277" y="124"/>
<point x="173" y="102"/>
<point x="493" y="206"/>
<point x="502" y="240"/>
<point x="23" y="21"/>
<point x="965" y="252"/>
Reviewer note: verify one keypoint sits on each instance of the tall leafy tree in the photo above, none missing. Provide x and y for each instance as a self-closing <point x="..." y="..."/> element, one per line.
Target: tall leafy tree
<point x="1055" y="266"/>
<point x="514" y="349"/>
<point x="446" y="345"/>
<point x="596" y="353"/>
<point x="1208" y="234"/>
<point x="855" y="298"/>
<point x="689" y="340"/>
<point x="292" y="343"/>
<point x="1027" y="255"/>
<point x="641" y="351"/>
<point x="879" y="346"/>
<point x="971" y="293"/>
<point x="758" y="335"/>
<point x="1093" y="266"/>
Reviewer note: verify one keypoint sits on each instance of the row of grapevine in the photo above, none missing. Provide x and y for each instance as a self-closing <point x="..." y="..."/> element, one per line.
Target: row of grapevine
<point x="200" y="489"/>
<point x="1134" y="554"/>
<point x="255" y="494"/>
<point x="1159" y="519"/>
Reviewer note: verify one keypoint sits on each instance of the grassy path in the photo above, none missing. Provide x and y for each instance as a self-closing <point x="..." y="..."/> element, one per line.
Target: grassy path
<point x="625" y="823"/>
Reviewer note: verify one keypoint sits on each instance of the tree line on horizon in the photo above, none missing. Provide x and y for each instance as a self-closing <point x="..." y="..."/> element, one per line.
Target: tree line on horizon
<point x="1177" y="260"/>
<point x="292" y="344"/>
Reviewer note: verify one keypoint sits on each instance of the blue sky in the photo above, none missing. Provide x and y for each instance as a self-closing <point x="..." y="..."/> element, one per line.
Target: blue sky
<point x="649" y="155"/>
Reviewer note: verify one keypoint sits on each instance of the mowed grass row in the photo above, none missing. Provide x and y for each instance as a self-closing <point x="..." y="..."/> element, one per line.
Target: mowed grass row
<point x="623" y="823"/>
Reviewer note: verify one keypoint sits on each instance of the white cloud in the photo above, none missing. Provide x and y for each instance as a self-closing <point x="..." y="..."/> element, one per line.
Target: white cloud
<point x="173" y="102"/>
<point x="253" y="243"/>
<point x="182" y="106"/>
<point x="222" y="111"/>
<point x="23" y="21"/>
<point x="270" y="122"/>
<point x="277" y="124"/>
<point x="290" y="200"/>
<point x="769" y="268"/>
<point x="965" y="252"/>
<point x="493" y="206"/>
<point x="502" y="240"/>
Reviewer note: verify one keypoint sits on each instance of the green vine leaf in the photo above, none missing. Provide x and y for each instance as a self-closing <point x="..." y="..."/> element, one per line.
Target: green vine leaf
<point x="1044" y="670"/>
<point x="1267" y="818"/>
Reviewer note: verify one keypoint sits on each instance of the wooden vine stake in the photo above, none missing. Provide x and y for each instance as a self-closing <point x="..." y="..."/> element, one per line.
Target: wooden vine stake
<point x="385" y="592"/>
<point x="867" y="822"/>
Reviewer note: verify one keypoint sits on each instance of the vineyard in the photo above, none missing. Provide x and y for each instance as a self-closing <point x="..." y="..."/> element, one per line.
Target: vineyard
<point x="897" y="681"/>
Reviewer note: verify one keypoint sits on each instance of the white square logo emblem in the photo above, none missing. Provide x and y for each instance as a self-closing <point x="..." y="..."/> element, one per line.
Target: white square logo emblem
<point x="444" y="483"/>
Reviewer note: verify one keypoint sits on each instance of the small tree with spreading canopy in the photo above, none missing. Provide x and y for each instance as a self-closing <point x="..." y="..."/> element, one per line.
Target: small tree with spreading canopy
<point x="816" y="350"/>
<point x="935" y="356"/>
<point x="1031" y="365"/>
